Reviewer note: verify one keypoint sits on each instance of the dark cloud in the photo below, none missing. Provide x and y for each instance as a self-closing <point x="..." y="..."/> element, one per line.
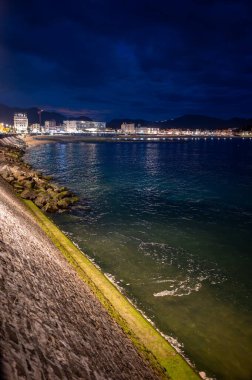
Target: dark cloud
<point x="135" y="58"/>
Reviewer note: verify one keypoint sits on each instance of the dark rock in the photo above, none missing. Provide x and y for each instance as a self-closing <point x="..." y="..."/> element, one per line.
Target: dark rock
<point x="41" y="199"/>
<point x="30" y="184"/>
<point x="38" y="202"/>
<point x="63" y="194"/>
<point x="5" y="175"/>
<point x="50" y="207"/>
<point x="64" y="203"/>
<point x="10" y="179"/>
<point x="47" y="177"/>
<point x="18" y="186"/>
<point x="28" y="194"/>
<point x="50" y="191"/>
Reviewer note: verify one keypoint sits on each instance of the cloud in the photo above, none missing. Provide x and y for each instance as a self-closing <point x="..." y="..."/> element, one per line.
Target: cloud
<point x="92" y="113"/>
<point x="141" y="57"/>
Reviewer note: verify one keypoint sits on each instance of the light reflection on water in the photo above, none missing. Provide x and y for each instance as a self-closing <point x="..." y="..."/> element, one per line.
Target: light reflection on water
<point x="171" y="223"/>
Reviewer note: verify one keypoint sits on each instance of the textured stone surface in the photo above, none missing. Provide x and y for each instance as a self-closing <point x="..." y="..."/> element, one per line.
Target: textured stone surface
<point x="52" y="326"/>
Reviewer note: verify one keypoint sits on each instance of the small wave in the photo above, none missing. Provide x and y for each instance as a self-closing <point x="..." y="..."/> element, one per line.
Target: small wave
<point x="185" y="272"/>
<point x="203" y="376"/>
<point x="115" y="282"/>
<point x="179" y="347"/>
<point x="178" y="292"/>
<point x="162" y="281"/>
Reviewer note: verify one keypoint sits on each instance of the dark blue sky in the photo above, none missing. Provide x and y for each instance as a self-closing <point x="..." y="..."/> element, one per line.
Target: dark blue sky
<point x="150" y="59"/>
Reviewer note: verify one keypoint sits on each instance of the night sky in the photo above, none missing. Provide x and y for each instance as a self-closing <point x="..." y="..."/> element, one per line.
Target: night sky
<point x="147" y="59"/>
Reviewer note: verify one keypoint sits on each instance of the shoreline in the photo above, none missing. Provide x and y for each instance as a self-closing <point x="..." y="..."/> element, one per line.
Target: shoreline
<point x="151" y="346"/>
<point x="32" y="141"/>
<point x="52" y="324"/>
<point x="150" y="343"/>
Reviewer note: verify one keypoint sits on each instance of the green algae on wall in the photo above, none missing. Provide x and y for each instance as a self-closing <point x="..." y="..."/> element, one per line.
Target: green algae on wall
<point x="149" y="342"/>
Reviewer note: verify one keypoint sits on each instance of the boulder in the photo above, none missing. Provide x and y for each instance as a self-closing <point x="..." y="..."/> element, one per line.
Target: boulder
<point x="50" y="191"/>
<point x="42" y="199"/>
<point x="18" y="186"/>
<point x="64" y="203"/>
<point x="47" y="177"/>
<point x="28" y="194"/>
<point x="29" y="184"/>
<point x="50" y="207"/>
<point x="63" y="194"/>
<point x="5" y="171"/>
<point x="10" y="179"/>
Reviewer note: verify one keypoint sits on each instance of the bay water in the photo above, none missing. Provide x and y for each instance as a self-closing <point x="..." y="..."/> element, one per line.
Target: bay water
<point x="170" y="222"/>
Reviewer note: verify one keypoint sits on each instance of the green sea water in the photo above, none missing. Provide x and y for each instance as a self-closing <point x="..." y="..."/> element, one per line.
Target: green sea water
<point x="171" y="225"/>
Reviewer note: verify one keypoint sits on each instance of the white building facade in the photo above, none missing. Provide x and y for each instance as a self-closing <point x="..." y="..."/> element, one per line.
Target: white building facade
<point x="79" y="126"/>
<point x="50" y="126"/>
<point x="147" y="131"/>
<point x="35" y="128"/>
<point x="70" y="126"/>
<point x="20" y="123"/>
<point x="128" y="128"/>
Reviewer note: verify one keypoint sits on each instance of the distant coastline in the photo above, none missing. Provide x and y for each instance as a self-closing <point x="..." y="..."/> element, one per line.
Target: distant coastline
<point x="32" y="141"/>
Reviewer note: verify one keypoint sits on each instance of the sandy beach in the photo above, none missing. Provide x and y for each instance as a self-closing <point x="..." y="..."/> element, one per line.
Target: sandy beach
<point x="32" y="141"/>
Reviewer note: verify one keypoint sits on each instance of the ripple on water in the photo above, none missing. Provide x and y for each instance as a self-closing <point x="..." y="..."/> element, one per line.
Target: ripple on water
<point x="193" y="195"/>
<point x="187" y="273"/>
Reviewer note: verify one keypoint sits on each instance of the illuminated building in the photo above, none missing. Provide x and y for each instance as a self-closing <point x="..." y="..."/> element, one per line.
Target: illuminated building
<point x="128" y="128"/>
<point x="147" y="130"/>
<point x="80" y="126"/>
<point x="20" y="123"/>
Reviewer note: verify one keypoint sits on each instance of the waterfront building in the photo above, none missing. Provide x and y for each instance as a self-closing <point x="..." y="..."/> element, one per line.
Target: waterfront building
<point x="5" y="128"/>
<point x="70" y="126"/>
<point x="147" y="130"/>
<point x="81" y="126"/>
<point x="50" y="124"/>
<point x="20" y="123"/>
<point x="34" y="128"/>
<point x="128" y="128"/>
<point x="52" y="128"/>
<point x="91" y="126"/>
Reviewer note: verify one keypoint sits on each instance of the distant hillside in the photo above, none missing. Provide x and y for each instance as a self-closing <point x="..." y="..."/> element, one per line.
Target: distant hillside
<point x="183" y="122"/>
<point x="7" y="113"/>
<point x="204" y="122"/>
<point x="197" y="121"/>
<point x="187" y="122"/>
<point x="81" y="118"/>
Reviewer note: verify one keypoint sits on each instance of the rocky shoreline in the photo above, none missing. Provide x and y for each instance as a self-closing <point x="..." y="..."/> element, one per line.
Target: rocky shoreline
<point x="28" y="183"/>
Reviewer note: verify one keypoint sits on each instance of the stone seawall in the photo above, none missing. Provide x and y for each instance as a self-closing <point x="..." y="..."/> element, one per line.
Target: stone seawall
<point x="52" y="326"/>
